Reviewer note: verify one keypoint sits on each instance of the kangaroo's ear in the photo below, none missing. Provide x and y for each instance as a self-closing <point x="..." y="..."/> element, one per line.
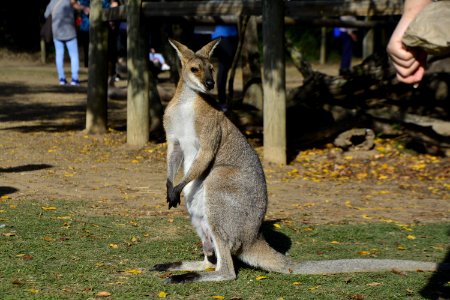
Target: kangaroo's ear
<point x="184" y="53"/>
<point x="207" y="50"/>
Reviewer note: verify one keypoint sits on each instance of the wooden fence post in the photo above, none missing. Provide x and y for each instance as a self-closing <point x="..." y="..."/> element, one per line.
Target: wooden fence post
<point x="138" y="117"/>
<point x="274" y="82"/>
<point x="43" y="51"/>
<point x="97" y="95"/>
<point x="323" y="45"/>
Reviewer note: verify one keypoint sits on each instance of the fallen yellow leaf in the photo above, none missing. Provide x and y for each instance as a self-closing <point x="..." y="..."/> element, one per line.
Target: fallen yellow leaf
<point x="401" y="248"/>
<point x="334" y="242"/>
<point x="113" y="246"/>
<point x="410" y="237"/>
<point x="382" y="177"/>
<point x="9" y="234"/>
<point x="261" y="277"/>
<point x="103" y="294"/>
<point x="419" y="166"/>
<point x="363" y="253"/>
<point x="276" y="225"/>
<point x="162" y="294"/>
<point x="405" y="227"/>
<point x="296" y="283"/>
<point x="374" y="284"/>
<point x="47" y="208"/>
<point x="217" y="297"/>
<point x="33" y="291"/>
<point x="133" y="271"/>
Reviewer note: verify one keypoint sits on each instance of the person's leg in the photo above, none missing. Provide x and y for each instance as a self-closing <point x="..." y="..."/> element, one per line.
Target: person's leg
<point x="346" y="58"/>
<point x="72" y="47"/>
<point x="159" y="57"/>
<point x="225" y="54"/>
<point x="59" y="59"/>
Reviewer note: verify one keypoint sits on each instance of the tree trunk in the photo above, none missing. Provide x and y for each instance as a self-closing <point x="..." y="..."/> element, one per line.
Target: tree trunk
<point x="274" y="84"/>
<point x="138" y="117"/>
<point x="251" y="67"/>
<point x="43" y="51"/>
<point x="97" y="96"/>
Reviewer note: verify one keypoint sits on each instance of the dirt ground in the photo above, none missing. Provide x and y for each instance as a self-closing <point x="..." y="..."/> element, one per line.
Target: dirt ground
<point x="46" y="155"/>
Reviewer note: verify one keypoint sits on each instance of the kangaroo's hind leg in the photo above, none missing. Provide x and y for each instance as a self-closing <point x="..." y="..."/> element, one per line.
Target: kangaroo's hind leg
<point x="224" y="267"/>
<point x="208" y="251"/>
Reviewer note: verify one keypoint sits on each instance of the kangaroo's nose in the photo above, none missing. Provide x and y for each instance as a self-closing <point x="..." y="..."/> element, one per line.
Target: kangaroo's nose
<point x="209" y="84"/>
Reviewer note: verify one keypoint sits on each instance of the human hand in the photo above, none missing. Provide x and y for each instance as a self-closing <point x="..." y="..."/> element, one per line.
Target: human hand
<point x="409" y="63"/>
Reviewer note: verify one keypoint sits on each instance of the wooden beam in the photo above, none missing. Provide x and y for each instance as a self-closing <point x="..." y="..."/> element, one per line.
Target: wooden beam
<point x="201" y="8"/>
<point x="274" y="83"/>
<point x="293" y="9"/>
<point x="343" y="7"/>
<point x="138" y="117"/>
<point x="97" y="94"/>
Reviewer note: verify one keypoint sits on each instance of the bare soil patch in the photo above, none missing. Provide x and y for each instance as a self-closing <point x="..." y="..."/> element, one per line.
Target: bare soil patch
<point x="45" y="155"/>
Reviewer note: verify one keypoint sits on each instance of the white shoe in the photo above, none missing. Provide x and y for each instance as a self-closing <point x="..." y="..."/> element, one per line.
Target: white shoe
<point x="165" y="67"/>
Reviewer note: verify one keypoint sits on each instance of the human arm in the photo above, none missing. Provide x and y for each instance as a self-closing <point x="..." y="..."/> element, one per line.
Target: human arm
<point x="77" y="6"/>
<point x="48" y="9"/>
<point x="409" y="63"/>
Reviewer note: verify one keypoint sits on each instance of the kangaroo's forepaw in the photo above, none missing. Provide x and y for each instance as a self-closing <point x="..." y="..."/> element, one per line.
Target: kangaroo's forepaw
<point x="183" y="278"/>
<point x="166" y="266"/>
<point x="173" y="195"/>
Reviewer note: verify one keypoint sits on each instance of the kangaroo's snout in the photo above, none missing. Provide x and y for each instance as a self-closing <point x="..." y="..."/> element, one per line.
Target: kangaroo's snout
<point x="209" y="84"/>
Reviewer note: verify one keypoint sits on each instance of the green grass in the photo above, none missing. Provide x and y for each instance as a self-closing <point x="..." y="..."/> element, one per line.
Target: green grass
<point x="73" y="253"/>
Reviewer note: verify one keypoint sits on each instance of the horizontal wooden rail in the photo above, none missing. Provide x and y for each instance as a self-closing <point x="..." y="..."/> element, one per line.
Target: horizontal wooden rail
<point x="293" y="9"/>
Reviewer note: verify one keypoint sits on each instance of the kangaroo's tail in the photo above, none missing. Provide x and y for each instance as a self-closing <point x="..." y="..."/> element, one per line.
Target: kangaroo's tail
<point x="261" y="255"/>
<point x="365" y="265"/>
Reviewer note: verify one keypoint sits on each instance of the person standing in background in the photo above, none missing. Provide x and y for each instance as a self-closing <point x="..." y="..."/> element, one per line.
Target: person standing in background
<point x="65" y="35"/>
<point x="84" y="31"/>
<point x="225" y="53"/>
<point x="348" y="37"/>
<point x="112" y="37"/>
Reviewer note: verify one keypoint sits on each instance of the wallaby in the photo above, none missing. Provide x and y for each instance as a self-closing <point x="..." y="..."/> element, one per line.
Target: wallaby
<point x="225" y="188"/>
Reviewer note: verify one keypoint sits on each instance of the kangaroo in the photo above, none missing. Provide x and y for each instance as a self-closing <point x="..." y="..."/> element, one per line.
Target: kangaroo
<point x="224" y="186"/>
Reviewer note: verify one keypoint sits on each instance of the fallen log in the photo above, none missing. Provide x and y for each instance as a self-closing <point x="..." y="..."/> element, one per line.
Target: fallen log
<point x="376" y="97"/>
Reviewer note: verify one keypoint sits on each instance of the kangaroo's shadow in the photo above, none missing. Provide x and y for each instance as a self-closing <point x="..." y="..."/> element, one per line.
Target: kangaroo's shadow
<point x="276" y="239"/>
<point x="438" y="287"/>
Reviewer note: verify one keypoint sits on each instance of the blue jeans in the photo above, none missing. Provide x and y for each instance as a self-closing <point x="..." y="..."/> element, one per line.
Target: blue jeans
<point x="346" y="49"/>
<point x="72" y="47"/>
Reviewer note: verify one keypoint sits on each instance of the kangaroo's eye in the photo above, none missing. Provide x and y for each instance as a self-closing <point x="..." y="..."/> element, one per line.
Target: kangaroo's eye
<point x="194" y="70"/>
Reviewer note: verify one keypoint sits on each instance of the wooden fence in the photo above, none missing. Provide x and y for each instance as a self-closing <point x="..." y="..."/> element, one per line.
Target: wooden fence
<point x="274" y="14"/>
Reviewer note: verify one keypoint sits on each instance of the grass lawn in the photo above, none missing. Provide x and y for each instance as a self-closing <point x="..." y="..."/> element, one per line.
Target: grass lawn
<point x="65" y="250"/>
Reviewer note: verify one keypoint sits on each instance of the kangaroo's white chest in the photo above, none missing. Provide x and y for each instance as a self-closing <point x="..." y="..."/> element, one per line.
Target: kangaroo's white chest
<point x="183" y="131"/>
